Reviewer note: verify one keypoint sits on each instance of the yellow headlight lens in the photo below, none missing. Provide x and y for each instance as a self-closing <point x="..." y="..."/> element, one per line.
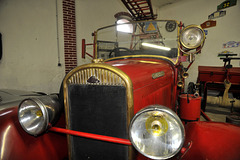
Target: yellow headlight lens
<point x="156" y="125"/>
<point x="157" y="132"/>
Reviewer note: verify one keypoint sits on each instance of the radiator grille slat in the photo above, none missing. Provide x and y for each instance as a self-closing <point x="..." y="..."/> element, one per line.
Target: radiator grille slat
<point x="104" y="77"/>
<point x="97" y="102"/>
<point x="98" y="109"/>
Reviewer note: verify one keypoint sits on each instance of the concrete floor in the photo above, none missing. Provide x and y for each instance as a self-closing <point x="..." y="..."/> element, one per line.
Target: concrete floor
<point x="217" y="113"/>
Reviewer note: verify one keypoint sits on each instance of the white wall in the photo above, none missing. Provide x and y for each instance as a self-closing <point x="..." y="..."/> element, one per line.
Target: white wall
<point x="91" y="15"/>
<point x="227" y="29"/>
<point x="30" y="51"/>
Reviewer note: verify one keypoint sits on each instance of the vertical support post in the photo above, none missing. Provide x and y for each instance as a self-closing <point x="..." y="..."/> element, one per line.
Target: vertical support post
<point x="70" y="40"/>
<point x="95" y="45"/>
<point x="83" y="48"/>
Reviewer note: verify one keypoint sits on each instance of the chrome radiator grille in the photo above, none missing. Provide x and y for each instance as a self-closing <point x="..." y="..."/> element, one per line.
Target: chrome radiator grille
<point x="102" y="110"/>
<point x="96" y="76"/>
<point x="98" y="99"/>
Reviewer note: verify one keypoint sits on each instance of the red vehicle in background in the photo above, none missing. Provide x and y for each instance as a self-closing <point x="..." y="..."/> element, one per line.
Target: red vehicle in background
<point x="127" y="104"/>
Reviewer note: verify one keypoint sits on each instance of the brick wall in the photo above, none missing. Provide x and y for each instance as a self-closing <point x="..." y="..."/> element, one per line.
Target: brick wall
<point x="69" y="25"/>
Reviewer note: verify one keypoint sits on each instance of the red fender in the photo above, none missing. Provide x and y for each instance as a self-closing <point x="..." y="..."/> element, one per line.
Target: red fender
<point x="212" y="140"/>
<point x="16" y="144"/>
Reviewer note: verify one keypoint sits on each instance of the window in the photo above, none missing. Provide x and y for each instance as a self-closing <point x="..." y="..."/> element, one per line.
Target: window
<point x="127" y="28"/>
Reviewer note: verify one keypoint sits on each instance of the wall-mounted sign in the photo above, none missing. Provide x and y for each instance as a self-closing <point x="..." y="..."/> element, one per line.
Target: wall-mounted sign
<point x="208" y="24"/>
<point x="226" y="4"/>
<point x="231" y="44"/>
<point x="150" y="27"/>
<point x="217" y="14"/>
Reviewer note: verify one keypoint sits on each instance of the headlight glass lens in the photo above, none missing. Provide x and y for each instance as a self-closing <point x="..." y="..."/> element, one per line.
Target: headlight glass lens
<point x="157" y="132"/>
<point x="192" y="37"/>
<point x="32" y="117"/>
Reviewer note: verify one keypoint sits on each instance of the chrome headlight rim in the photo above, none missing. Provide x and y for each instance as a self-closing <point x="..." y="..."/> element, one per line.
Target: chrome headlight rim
<point x="43" y="110"/>
<point x="188" y="27"/>
<point x="167" y="111"/>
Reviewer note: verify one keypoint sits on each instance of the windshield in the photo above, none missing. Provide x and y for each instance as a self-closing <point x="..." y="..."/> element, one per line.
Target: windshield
<point x="150" y="38"/>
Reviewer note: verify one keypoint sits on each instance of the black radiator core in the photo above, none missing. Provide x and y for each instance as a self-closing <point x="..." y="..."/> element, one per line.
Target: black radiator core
<point x="98" y="109"/>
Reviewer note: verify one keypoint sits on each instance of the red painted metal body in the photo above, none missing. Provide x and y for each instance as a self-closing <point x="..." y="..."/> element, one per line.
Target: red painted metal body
<point x="212" y="140"/>
<point x="190" y="109"/>
<point x="205" y="116"/>
<point x="92" y="136"/>
<point x="208" y="140"/>
<point x="218" y="74"/>
<point x="203" y="140"/>
<point x="213" y="78"/>
<point x="16" y="144"/>
<point x="84" y="45"/>
<point x="147" y="90"/>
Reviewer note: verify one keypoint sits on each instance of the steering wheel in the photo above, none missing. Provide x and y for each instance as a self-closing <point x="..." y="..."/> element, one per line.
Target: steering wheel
<point x="118" y="49"/>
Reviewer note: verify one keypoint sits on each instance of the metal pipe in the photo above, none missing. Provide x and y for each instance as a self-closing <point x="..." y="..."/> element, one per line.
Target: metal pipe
<point x="92" y="136"/>
<point x="205" y="116"/>
<point x="189" y="66"/>
<point x="89" y="55"/>
<point x="57" y="30"/>
<point x="95" y="45"/>
<point x="83" y="48"/>
<point x="191" y="57"/>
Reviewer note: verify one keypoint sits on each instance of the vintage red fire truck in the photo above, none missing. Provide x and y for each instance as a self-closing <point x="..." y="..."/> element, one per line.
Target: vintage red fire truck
<point x="129" y="103"/>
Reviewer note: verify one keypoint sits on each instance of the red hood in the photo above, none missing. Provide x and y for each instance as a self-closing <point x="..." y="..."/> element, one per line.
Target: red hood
<point x="140" y="70"/>
<point x="146" y="89"/>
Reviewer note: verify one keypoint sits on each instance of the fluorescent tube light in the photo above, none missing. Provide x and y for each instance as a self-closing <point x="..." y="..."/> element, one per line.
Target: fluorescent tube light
<point x="156" y="46"/>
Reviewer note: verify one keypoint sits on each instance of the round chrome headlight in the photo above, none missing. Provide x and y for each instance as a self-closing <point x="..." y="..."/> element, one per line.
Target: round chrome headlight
<point x="35" y="114"/>
<point x="157" y="132"/>
<point x="192" y="37"/>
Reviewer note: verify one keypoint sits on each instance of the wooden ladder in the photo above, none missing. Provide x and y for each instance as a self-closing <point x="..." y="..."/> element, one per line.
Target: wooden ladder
<point x="140" y="9"/>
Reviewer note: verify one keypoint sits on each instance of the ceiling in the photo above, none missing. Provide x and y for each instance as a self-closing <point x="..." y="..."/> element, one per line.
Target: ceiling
<point x="161" y="3"/>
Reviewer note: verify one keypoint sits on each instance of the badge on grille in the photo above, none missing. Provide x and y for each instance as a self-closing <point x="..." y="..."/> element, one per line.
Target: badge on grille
<point x="93" y="79"/>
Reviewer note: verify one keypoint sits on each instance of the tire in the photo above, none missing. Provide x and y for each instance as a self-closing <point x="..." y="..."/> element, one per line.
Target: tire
<point x="233" y="119"/>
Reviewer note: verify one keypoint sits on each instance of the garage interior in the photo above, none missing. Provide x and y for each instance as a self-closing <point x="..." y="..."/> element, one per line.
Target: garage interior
<point x="68" y="92"/>
<point x="42" y="40"/>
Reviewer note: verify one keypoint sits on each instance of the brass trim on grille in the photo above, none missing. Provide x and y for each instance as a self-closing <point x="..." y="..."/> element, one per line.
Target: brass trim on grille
<point x="102" y="74"/>
<point x="104" y="77"/>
